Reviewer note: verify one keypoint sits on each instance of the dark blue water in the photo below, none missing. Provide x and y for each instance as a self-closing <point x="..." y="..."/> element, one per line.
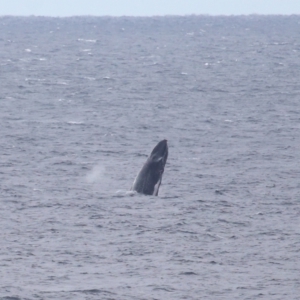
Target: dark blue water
<point x="83" y="101"/>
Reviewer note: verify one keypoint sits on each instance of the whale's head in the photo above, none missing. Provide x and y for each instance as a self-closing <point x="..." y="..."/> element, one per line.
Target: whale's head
<point x="160" y="152"/>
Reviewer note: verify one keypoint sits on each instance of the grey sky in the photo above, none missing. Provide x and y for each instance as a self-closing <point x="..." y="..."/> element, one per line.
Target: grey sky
<point x="146" y="7"/>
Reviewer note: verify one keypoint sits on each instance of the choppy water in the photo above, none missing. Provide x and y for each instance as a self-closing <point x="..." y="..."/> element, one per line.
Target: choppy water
<point x="82" y="103"/>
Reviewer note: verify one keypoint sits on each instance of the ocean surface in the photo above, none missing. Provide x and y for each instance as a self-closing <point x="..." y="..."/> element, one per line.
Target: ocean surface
<point x="84" y="100"/>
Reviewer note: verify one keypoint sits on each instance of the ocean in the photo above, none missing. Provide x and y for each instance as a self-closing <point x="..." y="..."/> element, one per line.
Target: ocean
<point x="84" y="100"/>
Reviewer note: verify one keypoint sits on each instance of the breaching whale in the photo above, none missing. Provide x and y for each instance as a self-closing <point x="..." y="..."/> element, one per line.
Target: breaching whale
<point x="148" y="180"/>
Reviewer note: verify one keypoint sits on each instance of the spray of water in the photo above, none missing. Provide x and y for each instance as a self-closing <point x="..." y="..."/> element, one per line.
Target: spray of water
<point x="96" y="174"/>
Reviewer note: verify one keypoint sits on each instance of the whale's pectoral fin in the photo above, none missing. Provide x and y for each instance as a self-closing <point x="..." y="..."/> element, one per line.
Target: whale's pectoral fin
<point x="156" y="187"/>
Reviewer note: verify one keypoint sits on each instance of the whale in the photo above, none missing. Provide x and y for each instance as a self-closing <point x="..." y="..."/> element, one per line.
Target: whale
<point x="149" y="178"/>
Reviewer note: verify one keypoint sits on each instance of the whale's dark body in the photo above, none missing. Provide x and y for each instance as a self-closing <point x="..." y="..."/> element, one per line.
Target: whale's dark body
<point x="149" y="178"/>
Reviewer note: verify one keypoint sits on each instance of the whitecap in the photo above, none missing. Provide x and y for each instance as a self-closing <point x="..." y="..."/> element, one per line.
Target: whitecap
<point x="88" y="41"/>
<point x="75" y="123"/>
